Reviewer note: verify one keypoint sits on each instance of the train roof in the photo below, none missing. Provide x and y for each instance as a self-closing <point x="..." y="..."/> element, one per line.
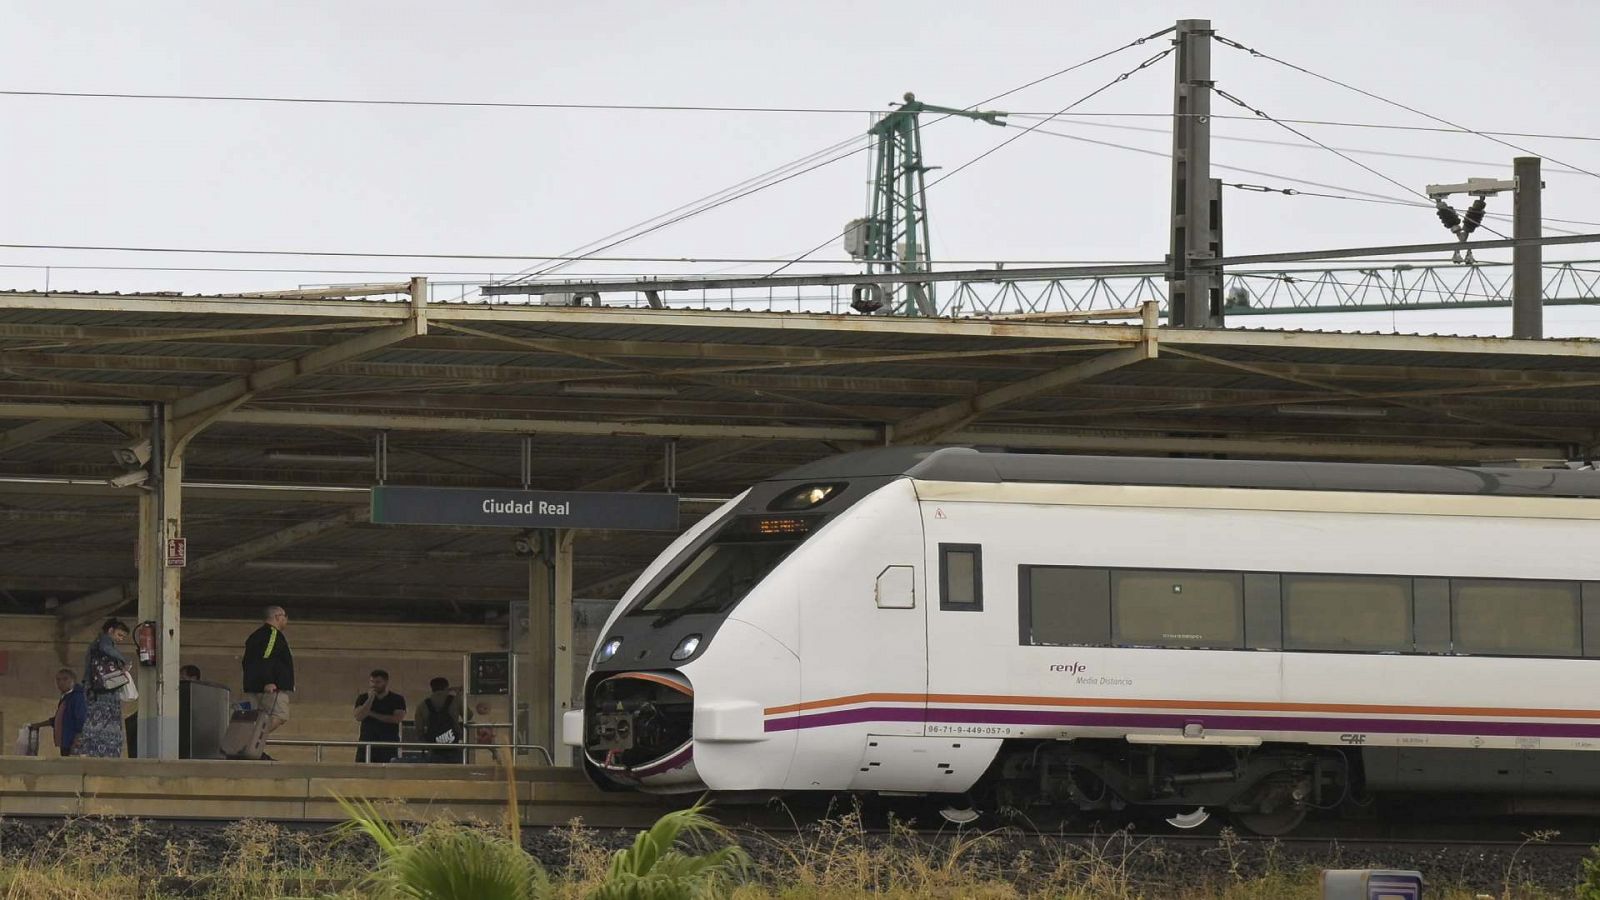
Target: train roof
<point x="966" y="464"/>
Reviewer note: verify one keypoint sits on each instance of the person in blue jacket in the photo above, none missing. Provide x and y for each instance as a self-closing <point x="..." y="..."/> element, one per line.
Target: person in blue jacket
<point x="71" y="711"/>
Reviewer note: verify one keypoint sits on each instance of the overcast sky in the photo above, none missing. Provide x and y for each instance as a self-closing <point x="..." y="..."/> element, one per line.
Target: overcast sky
<point x="397" y="179"/>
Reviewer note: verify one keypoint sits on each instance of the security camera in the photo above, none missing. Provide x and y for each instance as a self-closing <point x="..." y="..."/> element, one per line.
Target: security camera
<point x="135" y="454"/>
<point x="130" y="479"/>
<point x="524" y="546"/>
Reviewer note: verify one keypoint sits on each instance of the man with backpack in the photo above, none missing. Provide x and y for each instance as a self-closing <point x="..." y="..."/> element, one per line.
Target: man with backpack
<point x="439" y="722"/>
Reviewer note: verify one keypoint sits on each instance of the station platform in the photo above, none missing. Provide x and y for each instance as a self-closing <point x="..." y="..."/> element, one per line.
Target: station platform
<point x="296" y="791"/>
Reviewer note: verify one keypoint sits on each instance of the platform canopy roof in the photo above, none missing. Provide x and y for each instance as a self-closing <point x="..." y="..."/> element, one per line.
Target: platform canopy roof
<point x="342" y="388"/>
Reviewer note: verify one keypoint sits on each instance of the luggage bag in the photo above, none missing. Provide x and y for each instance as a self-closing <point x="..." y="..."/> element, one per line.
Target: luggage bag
<point x="246" y="735"/>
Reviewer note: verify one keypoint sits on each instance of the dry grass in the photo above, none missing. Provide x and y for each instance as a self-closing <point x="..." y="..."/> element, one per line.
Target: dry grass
<point x="833" y="860"/>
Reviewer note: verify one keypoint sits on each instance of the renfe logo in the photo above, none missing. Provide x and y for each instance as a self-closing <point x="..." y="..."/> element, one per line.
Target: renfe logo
<point x="1069" y="668"/>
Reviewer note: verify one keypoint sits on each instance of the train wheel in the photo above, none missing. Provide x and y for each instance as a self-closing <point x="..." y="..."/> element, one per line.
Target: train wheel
<point x="958" y="815"/>
<point x="1280" y="821"/>
<point x="1193" y="819"/>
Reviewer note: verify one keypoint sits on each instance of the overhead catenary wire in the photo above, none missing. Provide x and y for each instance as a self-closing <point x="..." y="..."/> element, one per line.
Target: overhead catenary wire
<point x="651" y="107"/>
<point x="1395" y="103"/>
<point x="1293" y="192"/>
<point x="511" y="104"/>
<point x="1152" y="60"/>
<point x="1332" y="123"/>
<point x="74" y="267"/>
<point x="1297" y="145"/>
<point x="1096" y="92"/>
<point x="715" y="108"/>
<point x="624" y="236"/>
<point x="706" y="203"/>
<point x="382" y="255"/>
<point x="1346" y="157"/>
<point x="1364" y="196"/>
<point x="462" y="104"/>
<point x="484" y="277"/>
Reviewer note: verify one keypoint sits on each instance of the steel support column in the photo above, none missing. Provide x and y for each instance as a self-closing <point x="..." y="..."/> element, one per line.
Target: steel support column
<point x="561" y="689"/>
<point x="160" y="520"/>
<point x="1527" y="277"/>
<point x="544" y="674"/>
<point x="1195" y="294"/>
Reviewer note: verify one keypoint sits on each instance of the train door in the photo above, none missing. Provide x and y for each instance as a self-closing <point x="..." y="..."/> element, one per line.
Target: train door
<point x="864" y="663"/>
<point x="972" y="616"/>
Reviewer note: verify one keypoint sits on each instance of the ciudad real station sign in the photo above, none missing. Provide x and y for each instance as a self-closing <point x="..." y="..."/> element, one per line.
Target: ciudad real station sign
<point x="399" y="505"/>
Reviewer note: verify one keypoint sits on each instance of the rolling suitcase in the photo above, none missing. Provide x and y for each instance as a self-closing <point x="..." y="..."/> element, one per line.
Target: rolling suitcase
<point x="246" y="735"/>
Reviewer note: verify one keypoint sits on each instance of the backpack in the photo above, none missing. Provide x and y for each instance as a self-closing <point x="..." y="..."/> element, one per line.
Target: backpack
<point x="438" y="721"/>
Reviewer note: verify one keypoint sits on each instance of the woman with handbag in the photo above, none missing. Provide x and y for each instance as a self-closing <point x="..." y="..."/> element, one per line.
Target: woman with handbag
<point x="106" y="674"/>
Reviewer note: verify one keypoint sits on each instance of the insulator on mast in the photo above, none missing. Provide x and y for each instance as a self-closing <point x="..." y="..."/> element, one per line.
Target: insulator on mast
<point x="1447" y="215"/>
<point x="1474" y="216"/>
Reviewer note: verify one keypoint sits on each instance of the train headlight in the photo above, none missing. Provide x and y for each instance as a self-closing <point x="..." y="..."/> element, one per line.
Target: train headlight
<point x="687" y="647"/>
<point x="608" y="650"/>
<point x="806" y="496"/>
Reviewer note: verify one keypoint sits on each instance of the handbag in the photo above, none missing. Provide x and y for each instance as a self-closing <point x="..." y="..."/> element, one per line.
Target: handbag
<point x="27" y="741"/>
<point x="109" y="674"/>
<point x="130" y="690"/>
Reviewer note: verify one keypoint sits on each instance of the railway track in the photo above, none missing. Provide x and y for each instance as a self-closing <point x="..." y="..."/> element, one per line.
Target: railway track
<point x="1485" y="855"/>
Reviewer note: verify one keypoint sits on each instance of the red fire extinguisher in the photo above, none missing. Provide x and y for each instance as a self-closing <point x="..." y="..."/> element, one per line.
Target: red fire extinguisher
<point x="145" y="638"/>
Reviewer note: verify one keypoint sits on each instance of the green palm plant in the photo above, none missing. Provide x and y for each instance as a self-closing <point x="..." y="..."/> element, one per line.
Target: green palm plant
<point x="652" y="869"/>
<point x="447" y="861"/>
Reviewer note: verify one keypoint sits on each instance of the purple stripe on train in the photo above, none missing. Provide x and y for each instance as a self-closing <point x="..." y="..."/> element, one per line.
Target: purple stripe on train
<point x="1334" y="724"/>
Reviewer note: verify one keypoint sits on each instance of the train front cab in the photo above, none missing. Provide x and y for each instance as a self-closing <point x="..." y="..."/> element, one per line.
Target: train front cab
<point x="799" y="589"/>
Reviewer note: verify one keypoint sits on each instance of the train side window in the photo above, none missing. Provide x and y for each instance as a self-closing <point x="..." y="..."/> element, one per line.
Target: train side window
<point x="1515" y="618"/>
<point x="1064" y="606"/>
<point x="1347" y="612"/>
<point x="1178" y="609"/>
<point x="961" y="577"/>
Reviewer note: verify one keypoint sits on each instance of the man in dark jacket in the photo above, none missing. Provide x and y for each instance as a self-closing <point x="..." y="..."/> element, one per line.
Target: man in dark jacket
<point x="269" y="668"/>
<point x="71" y="711"/>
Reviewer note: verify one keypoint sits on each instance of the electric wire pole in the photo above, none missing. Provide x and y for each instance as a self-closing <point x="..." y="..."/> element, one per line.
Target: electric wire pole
<point x="894" y="235"/>
<point x="1194" y="293"/>
<point x="1527" y="305"/>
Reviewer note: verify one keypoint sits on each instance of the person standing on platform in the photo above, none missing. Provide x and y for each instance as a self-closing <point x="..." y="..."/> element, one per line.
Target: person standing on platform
<point x="71" y="711"/>
<point x="189" y="673"/>
<point x="102" y="726"/>
<point x="269" y="668"/>
<point x="380" y="712"/>
<point x="439" y="722"/>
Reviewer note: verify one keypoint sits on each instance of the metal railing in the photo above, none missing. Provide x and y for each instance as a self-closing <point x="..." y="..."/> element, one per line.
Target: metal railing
<point x="1371" y="285"/>
<point x="367" y="747"/>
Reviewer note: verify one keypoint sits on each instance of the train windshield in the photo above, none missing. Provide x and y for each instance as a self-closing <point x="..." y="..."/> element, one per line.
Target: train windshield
<point x="717" y="576"/>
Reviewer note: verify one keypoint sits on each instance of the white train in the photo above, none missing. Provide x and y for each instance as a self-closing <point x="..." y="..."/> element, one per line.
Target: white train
<point x="1099" y="633"/>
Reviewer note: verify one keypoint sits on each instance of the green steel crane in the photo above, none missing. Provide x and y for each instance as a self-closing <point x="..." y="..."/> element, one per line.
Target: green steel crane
<point x="894" y="235"/>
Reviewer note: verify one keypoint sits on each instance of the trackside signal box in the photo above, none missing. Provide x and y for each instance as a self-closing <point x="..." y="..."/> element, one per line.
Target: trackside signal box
<point x="1371" y="884"/>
